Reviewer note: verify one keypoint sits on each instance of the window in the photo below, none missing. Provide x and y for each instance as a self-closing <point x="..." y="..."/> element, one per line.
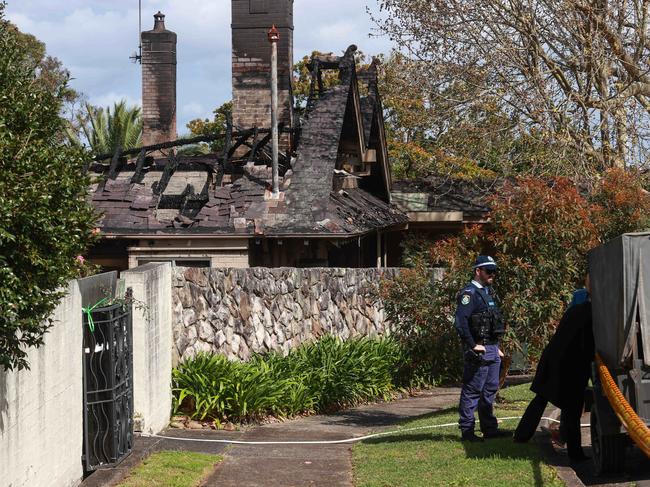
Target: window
<point x="178" y="262"/>
<point x="192" y="263"/>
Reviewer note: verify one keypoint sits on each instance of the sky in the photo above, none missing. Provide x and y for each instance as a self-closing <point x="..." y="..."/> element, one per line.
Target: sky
<point x="94" y="39"/>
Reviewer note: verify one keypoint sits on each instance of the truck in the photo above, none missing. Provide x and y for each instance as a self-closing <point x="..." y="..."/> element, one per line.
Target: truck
<point x="620" y="294"/>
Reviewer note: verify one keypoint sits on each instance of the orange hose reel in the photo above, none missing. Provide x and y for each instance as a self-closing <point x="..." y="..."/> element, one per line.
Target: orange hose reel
<point x="636" y="428"/>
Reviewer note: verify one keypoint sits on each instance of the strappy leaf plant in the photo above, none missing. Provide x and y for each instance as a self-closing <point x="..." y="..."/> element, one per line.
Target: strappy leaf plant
<point x="319" y="376"/>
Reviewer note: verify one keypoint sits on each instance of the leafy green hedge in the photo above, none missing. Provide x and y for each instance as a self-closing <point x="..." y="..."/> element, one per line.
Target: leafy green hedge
<point x="319" y="376"/>
<point x="45" y="221"/>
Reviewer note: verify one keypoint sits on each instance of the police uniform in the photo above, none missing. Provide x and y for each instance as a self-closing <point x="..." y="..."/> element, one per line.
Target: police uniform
<point x="478" y="322"/>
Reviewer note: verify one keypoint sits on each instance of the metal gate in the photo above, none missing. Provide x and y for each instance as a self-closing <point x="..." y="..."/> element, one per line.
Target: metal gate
<point x="108" y="385"/>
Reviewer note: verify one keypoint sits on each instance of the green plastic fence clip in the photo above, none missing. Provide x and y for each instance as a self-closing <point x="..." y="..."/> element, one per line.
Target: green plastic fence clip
<point x="89" y="314"/>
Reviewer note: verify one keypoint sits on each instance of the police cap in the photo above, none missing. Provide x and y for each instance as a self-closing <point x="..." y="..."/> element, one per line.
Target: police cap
<point x="486" y="262"/>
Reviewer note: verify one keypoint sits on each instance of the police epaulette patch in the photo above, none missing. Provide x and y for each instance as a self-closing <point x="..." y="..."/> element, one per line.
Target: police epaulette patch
<point x="465" y="299"/>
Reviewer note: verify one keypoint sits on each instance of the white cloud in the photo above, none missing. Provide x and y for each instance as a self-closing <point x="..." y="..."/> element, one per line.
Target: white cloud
<point x="109" y="99"/>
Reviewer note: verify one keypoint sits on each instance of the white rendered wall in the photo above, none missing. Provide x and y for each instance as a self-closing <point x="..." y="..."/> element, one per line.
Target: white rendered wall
<point x="152" y="344"/>
<point x="41" y="418"/>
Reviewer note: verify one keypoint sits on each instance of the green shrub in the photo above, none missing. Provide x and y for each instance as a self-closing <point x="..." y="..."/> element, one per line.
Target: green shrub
<point x="324" y="375"/>
<point x="45" y="222"/>
<point x="422" y="318"/>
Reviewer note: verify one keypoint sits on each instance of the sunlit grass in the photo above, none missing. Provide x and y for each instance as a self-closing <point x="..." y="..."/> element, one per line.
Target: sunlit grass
<point x="438" y="457"/>
<point x="172" y="469"/>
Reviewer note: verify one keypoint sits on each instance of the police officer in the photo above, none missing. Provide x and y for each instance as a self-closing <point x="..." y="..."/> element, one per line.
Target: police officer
<point x="480" y="326"/>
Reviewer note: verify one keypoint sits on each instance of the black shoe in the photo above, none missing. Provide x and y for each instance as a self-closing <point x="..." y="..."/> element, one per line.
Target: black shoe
<point x="518" y="439"/>
<point x="471" y="437"/>
<point x="497" y="434"/>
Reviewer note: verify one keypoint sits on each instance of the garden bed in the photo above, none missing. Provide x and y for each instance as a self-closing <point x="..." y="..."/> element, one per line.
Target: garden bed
<point x="322" y="376"/>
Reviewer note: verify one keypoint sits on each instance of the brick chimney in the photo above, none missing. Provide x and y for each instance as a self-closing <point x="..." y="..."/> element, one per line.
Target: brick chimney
<point x="158" y="83"/>
<point x="251" y="63"/>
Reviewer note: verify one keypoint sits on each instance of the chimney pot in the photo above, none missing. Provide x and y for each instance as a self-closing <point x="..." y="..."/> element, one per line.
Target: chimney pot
<point x="159" y="21"/>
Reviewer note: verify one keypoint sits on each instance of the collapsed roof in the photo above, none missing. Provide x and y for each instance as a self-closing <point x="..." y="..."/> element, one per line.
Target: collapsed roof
<point x="230" y="193"/>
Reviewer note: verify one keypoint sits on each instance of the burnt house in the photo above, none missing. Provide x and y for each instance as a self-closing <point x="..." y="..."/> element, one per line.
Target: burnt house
<point x="441" y="204"/>
<point x="334" y="205"/>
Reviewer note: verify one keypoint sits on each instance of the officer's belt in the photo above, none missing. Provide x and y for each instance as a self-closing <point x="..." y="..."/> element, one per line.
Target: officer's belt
<point x="487" y="342"/>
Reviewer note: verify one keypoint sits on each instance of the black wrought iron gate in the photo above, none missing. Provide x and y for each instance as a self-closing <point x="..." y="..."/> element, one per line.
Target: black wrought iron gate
<point x="108" y="385"/>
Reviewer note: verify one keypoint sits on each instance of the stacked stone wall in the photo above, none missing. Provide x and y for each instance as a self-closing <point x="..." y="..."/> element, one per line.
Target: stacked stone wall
<point x="237" y="312"/>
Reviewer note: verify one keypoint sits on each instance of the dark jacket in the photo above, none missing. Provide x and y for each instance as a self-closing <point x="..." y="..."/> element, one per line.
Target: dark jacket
<point x="471" y="300"/>
<point x="565" y="365"/>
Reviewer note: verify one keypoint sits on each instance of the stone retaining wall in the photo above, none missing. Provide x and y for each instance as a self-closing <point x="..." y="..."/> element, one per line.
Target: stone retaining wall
<point x="240" y="311"/>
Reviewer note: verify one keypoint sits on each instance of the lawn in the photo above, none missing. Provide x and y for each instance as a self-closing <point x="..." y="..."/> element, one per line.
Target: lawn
<point x="172" y="469"/>
<point x="438" y="457"/>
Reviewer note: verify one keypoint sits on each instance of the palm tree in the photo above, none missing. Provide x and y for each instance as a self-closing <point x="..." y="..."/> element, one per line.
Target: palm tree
<point x="104" y="130"/>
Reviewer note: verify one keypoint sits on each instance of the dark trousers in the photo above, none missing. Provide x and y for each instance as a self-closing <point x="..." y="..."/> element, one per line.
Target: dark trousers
<point x="569" y="424"/>
<point x="480" y="385"/>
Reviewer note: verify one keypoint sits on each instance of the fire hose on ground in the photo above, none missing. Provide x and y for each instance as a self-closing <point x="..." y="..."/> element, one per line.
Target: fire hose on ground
<point x="331" y="442"/>
<point x="635" y="426"/>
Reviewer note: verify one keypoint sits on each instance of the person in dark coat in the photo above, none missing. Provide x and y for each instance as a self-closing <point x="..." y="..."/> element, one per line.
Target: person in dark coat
<point x="561" y="378"/>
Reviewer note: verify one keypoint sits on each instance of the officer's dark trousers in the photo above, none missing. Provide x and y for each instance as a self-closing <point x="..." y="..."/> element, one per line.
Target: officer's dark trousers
<point x="480" y="385"/>
<point x="569" y="425"/>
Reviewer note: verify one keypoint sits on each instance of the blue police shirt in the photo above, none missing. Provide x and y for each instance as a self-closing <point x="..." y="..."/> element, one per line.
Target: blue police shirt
<point x="473" y="298"/>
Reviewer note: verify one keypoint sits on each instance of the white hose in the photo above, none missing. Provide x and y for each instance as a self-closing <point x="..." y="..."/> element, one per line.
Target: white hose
<point x="328" y="442"/>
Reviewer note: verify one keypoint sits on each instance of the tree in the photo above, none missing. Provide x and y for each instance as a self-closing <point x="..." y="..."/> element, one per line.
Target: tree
<point x="50" y="73"/>
<point x="540" y="232"/>
<point x="45" y="221"/>
<point x="569" y="75"/>
<point x="105" y="130"/>
<point x="217" y="126"/>
<point x="620" y="204"/>
<point x="421" y="141"/>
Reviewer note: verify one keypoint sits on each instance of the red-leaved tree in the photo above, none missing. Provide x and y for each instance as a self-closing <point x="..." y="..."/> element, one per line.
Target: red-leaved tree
<point x="539" y="233"/>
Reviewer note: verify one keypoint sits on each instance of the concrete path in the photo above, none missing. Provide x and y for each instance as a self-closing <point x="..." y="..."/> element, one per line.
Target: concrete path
<point x="636" y="471"/>
<point x="330" y="465"/>
<point x="321" y="465"/>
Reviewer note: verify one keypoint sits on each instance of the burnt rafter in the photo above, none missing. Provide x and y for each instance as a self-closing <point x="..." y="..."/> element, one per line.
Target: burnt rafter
<point x="189" y="203"/>
<point x="346" y="66"/>
<point x="255" y="144"/>
<point x="115" y="162"/>
<point x="162" y="146"/>
<point x="138" y="175"/>
<point x="170" y="168"/>
<point x="242" y="138"/>
<point x="181" y="142"/>
<point x="255" y="139"/>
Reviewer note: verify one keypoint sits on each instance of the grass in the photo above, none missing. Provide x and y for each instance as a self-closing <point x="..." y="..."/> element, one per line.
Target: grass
<point x="172" y="469"/>
<point x="437" y="457"/>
